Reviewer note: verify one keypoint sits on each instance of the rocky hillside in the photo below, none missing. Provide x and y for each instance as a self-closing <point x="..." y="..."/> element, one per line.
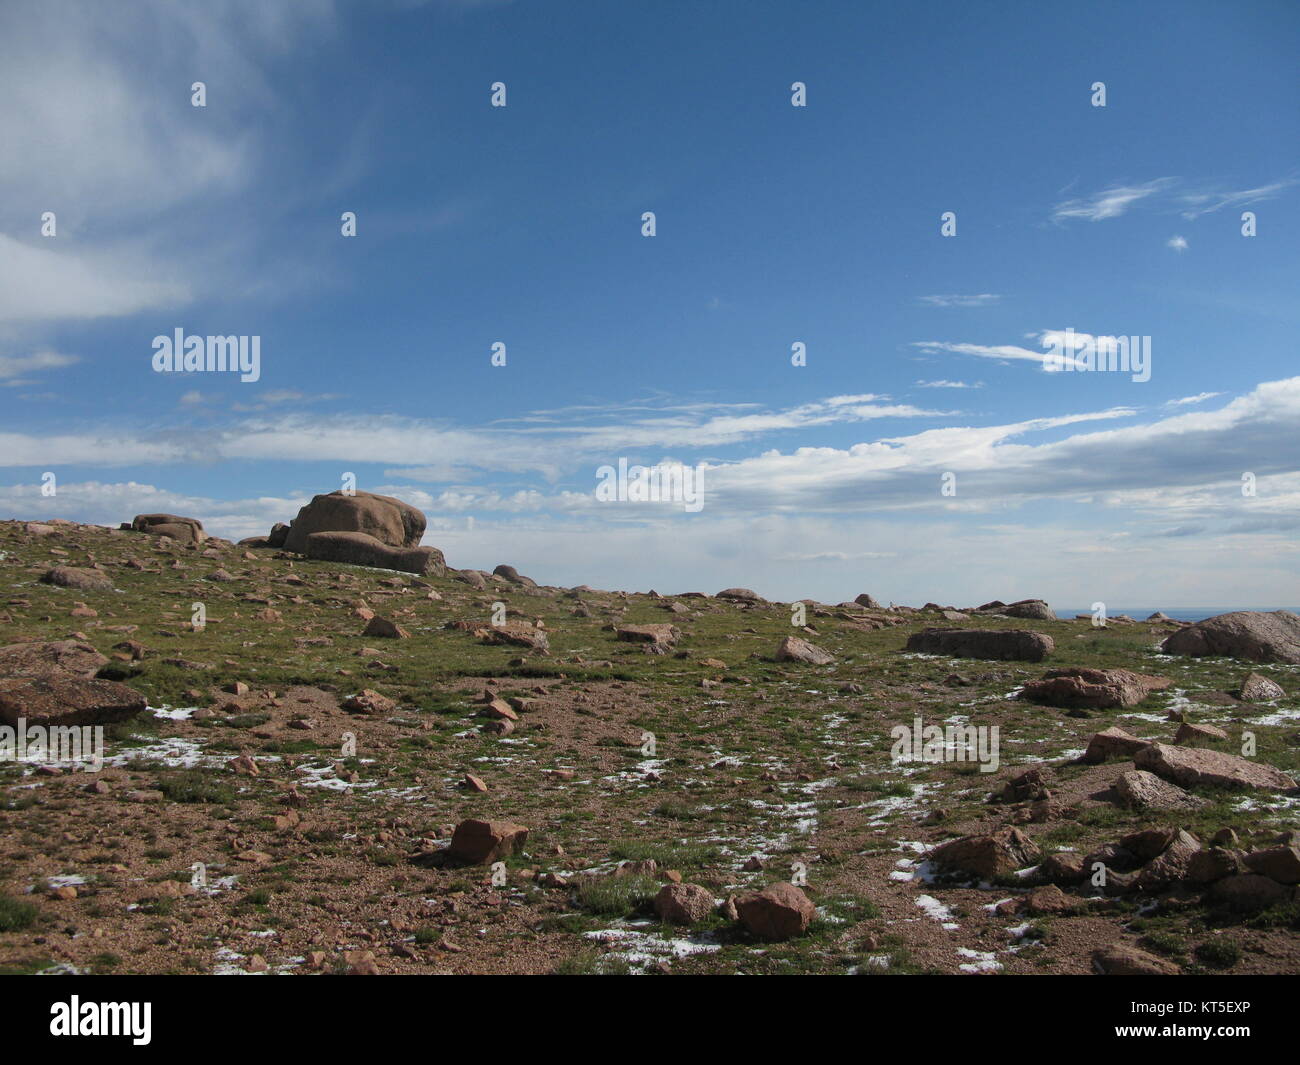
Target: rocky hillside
<point x="312" y="766"/>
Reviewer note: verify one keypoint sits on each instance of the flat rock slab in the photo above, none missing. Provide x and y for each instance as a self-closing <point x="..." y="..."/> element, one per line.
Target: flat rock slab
<point x="1190" y="766"/>
<point x="1092" y="689"/>
<point x="67" y="700"/>
<point x="84" y="580"/>
<point x="55" y="656"/>
<point x="1146" y="791"/>
<point x="1018" y="644"/>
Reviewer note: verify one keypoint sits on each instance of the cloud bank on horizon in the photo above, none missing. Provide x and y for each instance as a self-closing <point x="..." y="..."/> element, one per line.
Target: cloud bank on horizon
<point x="841" y="329"/>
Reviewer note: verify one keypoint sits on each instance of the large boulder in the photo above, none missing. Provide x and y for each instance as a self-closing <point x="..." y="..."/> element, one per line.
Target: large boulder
<point x="683" y="903"/>
<point x="1092" y="689"/>
<point x="1257" y="689"/>
<point x="388" y="520"/>
<point x="83" y="580"/>
<point x="185" y="530"/>
<point x="57" y="656"/>
<point x="1036" y="609"/>
<point x="983" y="643"/>
<point x="870" y="603"/>
<point x="779" y="911"/>
<point x="1111" y="743"/>
<point x="793" y="649"/>
<point x="1254" y="635"/>
<point x="66" y="699"/>
<point x="1145" y="791"/>
<point x="1190" y="766"/>
<point x="741" y="595"/>
<point x="999" y="853"/>
<point x="361" y="549"/>
<point x="478" y="842"/>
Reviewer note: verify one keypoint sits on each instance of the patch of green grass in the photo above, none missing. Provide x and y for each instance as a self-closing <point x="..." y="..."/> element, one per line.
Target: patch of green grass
<point x="16" y="914"/>
<point x="1219" y="953"/>
<point x="616" y="896"/>
<point x="196" y="786"/>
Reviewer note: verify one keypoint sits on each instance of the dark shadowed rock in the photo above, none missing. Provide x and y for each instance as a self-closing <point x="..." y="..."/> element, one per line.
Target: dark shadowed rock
<point x="1248" y="892"/>
<point x="1254" y="635"/>
<point x="1092" y="689"/>
<point x="1277" y="863"/>
<point x="1018" y="644"/>
<point x="361" y="549"/>
<point x="865" y="600"/>
<point x="388" y="520"/>
<point x="1113" y="742"/>
<point x="65" y="699"/>
<point x="478" y="842"/>
<point x="996" y="854"/>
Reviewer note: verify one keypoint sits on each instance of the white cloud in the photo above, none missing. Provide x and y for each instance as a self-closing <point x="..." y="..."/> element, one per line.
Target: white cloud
<point x="1109" y="203"/>
<point x="1177" y="243"/>
<point x="14" y="367"/>
<point x="982" y="299"/>
<point x="949" y="384"/>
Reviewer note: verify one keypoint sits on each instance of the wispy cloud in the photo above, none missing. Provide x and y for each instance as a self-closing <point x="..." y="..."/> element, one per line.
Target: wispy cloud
<point x="982" y="299"/>
<point x="1109" y="203"/>
<point x="1177" y="243"/>
<point x="949" y="384"/>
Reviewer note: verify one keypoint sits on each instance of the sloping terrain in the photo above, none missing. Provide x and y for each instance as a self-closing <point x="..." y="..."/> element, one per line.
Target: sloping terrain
<point x="712" y="760"/>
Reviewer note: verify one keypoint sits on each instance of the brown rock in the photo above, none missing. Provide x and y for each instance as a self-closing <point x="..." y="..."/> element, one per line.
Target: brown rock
<point x="385" y="629"/>
<point x="75" y="657"/>
<point x="479" y="842"/>
<point x="388" y="520"/>
<point x="1191" y="733"/>
<point x="1248" y="892"/>
<point x="86" y="580"/>
<point x="1190" y="766"/>
<point x="1111" y="743"/>
<point x="1146" y="791"/>
<point x="67" y="699"/>
<point x="1120" y="959"/>
<point x="369" y="702"/>
<point x="1258" y="689"/>
<point x="1277" y="863"/>
<point x="983" y="643"/>
<point x="683" y="903"/>
<point x="996" y="854"/>
<point x="780" y="911"/>
<point x="1254" y="635"/>
<point x="361" y="549"/>
<point x="793" y="649"/>
<point x="1092" y="689"/>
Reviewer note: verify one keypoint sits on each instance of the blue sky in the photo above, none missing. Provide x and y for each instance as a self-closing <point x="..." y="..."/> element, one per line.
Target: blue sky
<point x="775" y="225"/>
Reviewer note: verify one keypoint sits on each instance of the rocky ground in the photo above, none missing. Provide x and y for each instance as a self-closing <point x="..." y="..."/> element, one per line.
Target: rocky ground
<point x="709" y="754"/>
